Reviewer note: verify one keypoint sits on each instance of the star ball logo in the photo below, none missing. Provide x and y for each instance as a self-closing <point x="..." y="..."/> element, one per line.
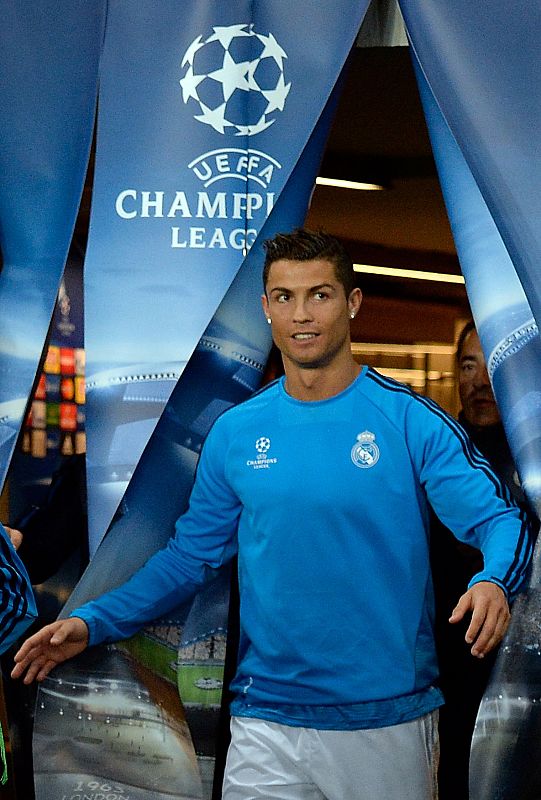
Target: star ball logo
<point x="262" y="446"/>
<point x="234" y="83"/>
<point x="236" y="78"/>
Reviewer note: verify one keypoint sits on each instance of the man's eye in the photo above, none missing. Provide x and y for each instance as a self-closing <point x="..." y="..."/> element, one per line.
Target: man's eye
<point x="282" y="298"/>
<point x="321" y="295"/>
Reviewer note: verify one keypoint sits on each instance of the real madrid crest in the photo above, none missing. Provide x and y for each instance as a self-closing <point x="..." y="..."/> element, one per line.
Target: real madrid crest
<point x="365" y="452"/>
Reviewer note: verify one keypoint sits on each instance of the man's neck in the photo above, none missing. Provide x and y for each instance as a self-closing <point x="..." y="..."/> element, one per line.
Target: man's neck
<point x="319" y="383"/>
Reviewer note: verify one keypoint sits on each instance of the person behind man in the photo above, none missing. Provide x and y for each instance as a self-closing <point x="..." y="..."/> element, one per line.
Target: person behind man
<point x="463" y="680"/>
<point x="479" y="414"/>
<point x="320" y="482"/>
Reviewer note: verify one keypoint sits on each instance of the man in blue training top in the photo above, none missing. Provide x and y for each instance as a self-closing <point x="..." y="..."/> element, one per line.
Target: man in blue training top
<point x="321" y="482"/>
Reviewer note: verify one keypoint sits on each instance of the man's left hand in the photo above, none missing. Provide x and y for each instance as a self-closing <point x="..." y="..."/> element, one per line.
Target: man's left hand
<point x="490" y="616"/>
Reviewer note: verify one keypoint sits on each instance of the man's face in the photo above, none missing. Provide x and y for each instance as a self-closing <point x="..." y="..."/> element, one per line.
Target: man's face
<point x="478" y="403"/>
<point x="310" y="312"/>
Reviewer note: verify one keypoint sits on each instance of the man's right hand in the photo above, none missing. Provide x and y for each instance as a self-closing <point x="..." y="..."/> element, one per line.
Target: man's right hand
<point x="15" y="536"/>
<point x="50" y="646"/>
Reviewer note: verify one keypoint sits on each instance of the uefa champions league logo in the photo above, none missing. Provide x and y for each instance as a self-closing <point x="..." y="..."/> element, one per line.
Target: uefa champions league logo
<point x="235" y="78"/>
<point x="262" y="461"/>
<point x="262" y="445"/>
<point x="234" y="84"/>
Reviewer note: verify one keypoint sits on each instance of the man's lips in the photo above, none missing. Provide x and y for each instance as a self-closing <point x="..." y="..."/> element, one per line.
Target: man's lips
<point x="304" y="336"/>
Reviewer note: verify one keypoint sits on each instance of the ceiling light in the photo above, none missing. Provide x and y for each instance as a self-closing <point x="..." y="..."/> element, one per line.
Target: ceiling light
<point x="415" y="274"/>
<point x="343" y="184"/>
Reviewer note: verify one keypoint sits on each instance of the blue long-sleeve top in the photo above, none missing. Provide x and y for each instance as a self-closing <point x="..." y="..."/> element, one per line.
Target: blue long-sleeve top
<point x="326" y="504"/>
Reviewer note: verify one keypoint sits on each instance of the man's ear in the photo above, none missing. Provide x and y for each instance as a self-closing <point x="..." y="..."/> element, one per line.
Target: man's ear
<point x="265" y="305"/>
<point x="354" y="301"/>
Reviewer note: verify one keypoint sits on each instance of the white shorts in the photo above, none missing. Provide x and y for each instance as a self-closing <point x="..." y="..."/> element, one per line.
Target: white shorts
<point x="268" y="760"/>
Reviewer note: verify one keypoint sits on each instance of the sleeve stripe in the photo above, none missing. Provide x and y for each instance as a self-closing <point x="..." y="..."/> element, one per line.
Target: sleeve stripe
<point x="525" y="543"/>
<point x="15" y="589"/>
<point x="474" y="457"/>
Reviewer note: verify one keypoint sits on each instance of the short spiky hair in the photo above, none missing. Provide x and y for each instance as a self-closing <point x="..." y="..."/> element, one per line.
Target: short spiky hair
<point x="305" y="245"/>
<point x="464" y="333"/>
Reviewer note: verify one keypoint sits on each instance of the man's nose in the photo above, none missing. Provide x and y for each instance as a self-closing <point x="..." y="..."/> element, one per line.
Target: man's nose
<point x="481" y="378"/>
<point x="302" y="310"/>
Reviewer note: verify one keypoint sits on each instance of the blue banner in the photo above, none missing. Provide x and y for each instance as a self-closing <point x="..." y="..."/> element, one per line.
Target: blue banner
<point x="50" y="52"/>
<point x="182" y="203"/>
<point x="482" y="65"/>
<point x="503" y="317"/>
<point x="202" y="118"/>
<point x="502" y="762"/>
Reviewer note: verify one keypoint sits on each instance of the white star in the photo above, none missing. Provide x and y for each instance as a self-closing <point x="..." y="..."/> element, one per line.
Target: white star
<point x="189" y="84"/>
<point x="196" y="45"/>
<point x="232" y="76"/>
<point x="215" y="118"/>
<point x="225" y="34"/>
<point x="277" y="96"/>
<point x="272" y="49"/>
<point x="243" y="130"/>
<point x="252" y="83"/>
<point x="251" y="130"/>
<point x="261" y="125"/>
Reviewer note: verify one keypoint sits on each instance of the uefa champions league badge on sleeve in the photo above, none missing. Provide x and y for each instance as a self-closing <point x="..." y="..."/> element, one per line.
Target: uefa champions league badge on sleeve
<point x="365" y="452"/>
